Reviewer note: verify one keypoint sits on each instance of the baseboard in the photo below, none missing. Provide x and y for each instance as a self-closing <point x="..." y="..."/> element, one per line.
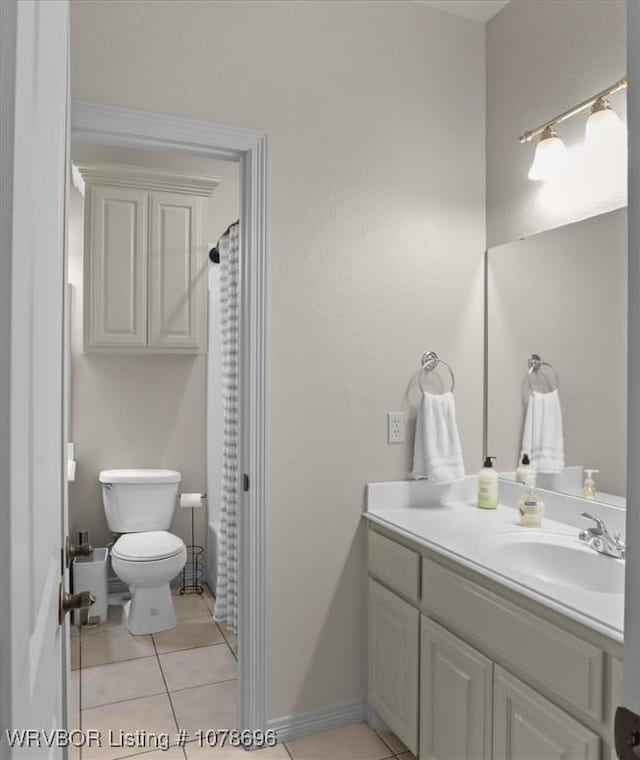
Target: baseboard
<point x="304" y="724"/>
<point x="375" y="721"/>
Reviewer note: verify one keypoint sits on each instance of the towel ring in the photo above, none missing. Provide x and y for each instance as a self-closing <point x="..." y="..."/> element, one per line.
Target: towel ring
<point x="428" y="363"/>
<point x="535" y="364"/>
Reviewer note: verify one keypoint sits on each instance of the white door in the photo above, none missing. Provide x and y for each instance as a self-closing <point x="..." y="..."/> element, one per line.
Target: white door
<point x="34" y="39"/>
<point x="628" y="726"/>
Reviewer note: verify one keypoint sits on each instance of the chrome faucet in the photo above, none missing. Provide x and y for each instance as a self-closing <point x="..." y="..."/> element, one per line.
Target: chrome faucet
<point x="600" y="540"/>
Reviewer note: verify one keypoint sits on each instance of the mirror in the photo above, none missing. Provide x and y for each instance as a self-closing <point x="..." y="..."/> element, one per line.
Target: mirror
<point x="561" y="295"/>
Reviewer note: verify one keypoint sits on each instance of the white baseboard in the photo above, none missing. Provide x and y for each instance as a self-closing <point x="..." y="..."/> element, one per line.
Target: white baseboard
<point x="304" y="724"/>
<point x="375" y="721"/>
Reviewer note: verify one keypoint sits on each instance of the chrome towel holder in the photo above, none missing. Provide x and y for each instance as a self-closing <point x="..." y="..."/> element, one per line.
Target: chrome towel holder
<point x="430" y="360"/>
<point x="535" y="364"/>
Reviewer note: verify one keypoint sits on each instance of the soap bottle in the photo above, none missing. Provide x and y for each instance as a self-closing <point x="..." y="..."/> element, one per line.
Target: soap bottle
<point x="488" y="485"/>
<point x="526" y="473"/>
<point x="531" y="509"/>
<point x="589" y="485"/>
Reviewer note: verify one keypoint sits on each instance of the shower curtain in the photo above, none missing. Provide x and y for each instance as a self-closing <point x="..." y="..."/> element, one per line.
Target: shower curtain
<point x="226" y="609"/>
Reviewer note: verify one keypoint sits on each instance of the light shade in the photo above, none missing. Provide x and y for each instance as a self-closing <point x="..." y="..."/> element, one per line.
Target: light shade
<point x="603" y="122"/>
<point x="550" y="157"/>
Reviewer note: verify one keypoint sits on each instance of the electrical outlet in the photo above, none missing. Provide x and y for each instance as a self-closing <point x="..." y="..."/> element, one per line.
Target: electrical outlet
<point x="395" y="427"/>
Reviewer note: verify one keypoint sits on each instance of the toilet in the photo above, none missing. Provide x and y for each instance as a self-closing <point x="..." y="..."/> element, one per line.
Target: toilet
<point x="139" y="504"/>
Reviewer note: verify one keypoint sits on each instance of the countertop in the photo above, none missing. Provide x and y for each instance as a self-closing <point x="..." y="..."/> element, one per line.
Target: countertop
<point x="445" y="520"/>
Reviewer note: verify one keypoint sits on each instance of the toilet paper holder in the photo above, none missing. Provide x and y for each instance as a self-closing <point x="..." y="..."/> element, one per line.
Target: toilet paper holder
<point x="192" y="576"/>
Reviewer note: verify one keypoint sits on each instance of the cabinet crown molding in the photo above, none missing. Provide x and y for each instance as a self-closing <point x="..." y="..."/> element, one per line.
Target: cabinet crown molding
<point x="141" y="177"/>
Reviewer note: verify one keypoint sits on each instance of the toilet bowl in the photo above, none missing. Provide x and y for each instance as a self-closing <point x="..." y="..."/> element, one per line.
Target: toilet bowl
<point x="147" y="562"/>
<point x="139" y="504"/>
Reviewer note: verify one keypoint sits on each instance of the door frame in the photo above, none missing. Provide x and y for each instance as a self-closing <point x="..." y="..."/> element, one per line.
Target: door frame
<point x="107" y="125"/>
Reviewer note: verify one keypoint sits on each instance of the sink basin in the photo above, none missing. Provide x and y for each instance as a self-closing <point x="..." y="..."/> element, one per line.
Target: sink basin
<point x="555" y="559"/>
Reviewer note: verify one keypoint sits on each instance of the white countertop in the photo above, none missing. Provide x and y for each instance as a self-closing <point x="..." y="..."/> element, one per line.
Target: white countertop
<point x="445" y="520"/>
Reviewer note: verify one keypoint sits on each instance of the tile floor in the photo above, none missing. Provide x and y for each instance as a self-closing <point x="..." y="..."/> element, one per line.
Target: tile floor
<point x="185" y="679"/>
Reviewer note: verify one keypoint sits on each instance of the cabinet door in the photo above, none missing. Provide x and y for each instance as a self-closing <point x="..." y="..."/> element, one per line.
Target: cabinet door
<point x="456" y="697"/>
<point x="177" y="273"/>
<point x="529" y="727"/>
<point x="115" y="268"/>
<point x="393" y="662"/>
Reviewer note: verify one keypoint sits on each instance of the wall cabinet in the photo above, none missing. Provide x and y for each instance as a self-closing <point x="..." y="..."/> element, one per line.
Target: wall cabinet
<point x="145" y="259"/>
<point x="393" y="662"/>
<point x="443" y="658"/>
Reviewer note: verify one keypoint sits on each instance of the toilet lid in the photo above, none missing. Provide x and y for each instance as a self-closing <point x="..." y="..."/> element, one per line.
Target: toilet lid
<point x="144" y="547"/>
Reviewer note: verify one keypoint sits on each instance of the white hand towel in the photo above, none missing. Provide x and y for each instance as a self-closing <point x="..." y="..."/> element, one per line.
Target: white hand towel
<point x="542" y="437"/>
<point x="437" y="453"/>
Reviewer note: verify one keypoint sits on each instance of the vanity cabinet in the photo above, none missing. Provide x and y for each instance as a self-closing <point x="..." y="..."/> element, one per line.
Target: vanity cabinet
<point x="456" y="697"/>
<point x="526" y="725"/>
<point x="461" y="671"/>
<point x="145" y="259"/>
<point x="393" y="662"/>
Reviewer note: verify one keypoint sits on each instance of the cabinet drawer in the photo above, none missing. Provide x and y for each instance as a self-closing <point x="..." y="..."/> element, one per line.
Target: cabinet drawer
<point x="552" y="657"/>
<point x="395" y="565"/>
<point x="528" y="725"/>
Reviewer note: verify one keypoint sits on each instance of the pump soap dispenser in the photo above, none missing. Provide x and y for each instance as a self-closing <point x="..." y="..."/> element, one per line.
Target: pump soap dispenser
<point x="589" y="485"/>
<point x="525" y="472"/>
<point x="488" y="486"/>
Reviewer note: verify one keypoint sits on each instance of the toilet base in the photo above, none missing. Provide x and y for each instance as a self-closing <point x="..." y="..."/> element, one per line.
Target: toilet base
<point x="150" y="610"/>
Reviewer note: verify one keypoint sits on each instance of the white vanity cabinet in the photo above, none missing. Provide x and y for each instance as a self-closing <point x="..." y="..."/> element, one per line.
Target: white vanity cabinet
<point x="394" y="631"/>
<point x="496" y="678"/>
<point x="526" y="725"/>
<point x="145" y="259"/>
<point x="456" y="687"/>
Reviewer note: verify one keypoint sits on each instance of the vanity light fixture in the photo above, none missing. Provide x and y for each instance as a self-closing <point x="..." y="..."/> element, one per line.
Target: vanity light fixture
<point x="550" y="156"/>
<point x="602" y="121"/>
<point x="551" y="151"/>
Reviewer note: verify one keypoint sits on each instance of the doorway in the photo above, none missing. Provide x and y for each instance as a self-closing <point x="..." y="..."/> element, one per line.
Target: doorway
<point x="149" y="407"/>
<point x="191" y="141"/>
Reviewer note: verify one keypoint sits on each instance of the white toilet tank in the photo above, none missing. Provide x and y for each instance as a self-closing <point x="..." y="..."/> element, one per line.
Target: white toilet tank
<point x="139" y="500"/>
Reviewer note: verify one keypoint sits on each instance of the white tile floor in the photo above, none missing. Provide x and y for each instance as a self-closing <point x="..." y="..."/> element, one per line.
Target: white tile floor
<point x="186" y="679"/>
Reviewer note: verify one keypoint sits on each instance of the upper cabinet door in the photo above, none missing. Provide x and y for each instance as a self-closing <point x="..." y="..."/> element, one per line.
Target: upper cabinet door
<point x="177" y="272"/>
<point x="116" y="270"/>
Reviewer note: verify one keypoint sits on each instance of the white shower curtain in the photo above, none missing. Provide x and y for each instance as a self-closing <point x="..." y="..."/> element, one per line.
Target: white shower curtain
<point x="226" y="609"/>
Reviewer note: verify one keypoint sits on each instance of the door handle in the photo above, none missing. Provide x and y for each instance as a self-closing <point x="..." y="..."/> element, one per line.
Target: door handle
<point x="82" y="549"/>
<point x="68" y="602"/>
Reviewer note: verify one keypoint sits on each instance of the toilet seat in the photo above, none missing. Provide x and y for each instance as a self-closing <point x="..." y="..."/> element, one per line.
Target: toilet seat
<point x="149" y="546"/>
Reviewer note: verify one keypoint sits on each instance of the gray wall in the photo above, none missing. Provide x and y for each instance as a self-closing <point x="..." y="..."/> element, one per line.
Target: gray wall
<point x="139" y="411"/>
<point x="544" y="56"/>
<point x="375" y="116"/>
<point x="563" y="294"/>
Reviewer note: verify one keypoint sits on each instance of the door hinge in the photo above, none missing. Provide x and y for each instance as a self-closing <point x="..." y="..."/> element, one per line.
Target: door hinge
<point x="245" y="482"/>
<point x="627" y="734"/>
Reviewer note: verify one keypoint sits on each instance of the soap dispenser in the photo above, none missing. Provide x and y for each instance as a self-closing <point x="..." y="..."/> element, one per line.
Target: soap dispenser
<point x="526" y="473"/>
<point x="488" y="485"/>
<point x="589" y="485"/>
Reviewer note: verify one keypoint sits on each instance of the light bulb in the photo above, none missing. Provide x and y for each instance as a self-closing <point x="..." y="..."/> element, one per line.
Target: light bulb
<point x="550" y="157"/>
<point x="603" y="122"/>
